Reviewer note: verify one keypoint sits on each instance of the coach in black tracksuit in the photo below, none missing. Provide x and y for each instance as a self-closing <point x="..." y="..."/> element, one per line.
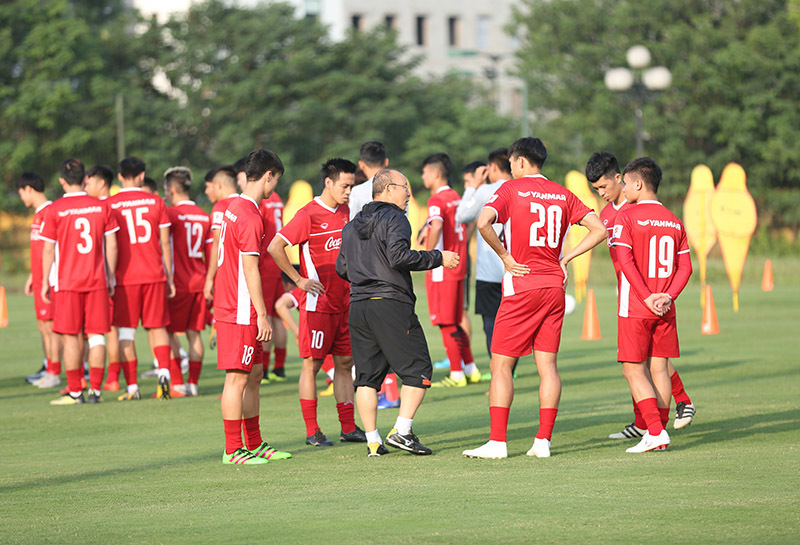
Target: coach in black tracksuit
<point x="376" y="258"/>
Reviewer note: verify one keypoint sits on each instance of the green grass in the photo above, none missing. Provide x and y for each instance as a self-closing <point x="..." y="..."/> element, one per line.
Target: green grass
<point x="150" y="472"/>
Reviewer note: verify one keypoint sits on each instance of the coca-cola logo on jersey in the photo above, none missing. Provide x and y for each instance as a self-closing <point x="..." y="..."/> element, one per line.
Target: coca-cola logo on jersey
<point x="333" y="244"/>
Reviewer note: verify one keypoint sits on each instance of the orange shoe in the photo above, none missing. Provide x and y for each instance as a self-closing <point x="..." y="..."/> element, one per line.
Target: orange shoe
<point x="111" y="386"/>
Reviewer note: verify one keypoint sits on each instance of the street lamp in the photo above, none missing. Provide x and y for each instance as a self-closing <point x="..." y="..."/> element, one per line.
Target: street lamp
<point x="656" y="78"/>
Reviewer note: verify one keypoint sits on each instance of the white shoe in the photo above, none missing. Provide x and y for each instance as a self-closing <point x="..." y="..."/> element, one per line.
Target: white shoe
<point x="648" y="443"/>
<point x="683" y="415"/>
<point x="540" y="448"/>
<point x="184" y="361"/>
<point x="48" y="380"/>
<point x="628" y="432"/>
<point x="182" y="389"/>
<point x="191" y="389"/>
<point x="150" y="373"/>
<point x="492" y="450"/>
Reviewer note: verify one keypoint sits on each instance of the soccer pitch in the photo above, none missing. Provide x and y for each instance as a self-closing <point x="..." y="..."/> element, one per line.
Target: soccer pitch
<point x="150" y="471"/>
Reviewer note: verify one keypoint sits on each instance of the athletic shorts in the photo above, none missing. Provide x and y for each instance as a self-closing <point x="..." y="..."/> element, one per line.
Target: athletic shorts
<point x="387" y="334"/>
<point x="467" y="282"/>
<point x="237" y="347"/>
<point x="445" y="301"/>
<point x="44" y="311"/>
<point x="272" y="289"/>
<point x="322" y="333"/>
<point x="76" y="312"/>
<point x="529" y="320"/>
<point x="488" y="296"/>
<point x="640" y="338"/>
<point x="187" y="311"/>
<point x="111" y="310"/>
<point x="145" y="302"/>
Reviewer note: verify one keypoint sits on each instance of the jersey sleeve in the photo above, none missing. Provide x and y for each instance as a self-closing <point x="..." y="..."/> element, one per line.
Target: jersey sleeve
<point x="621" y="232"/>
<point x="298" y="230"/>
<point x="250" y="233"/>
<point x="499" y="203"/>
<point x="216" y="217"/>
<point x="434" y="209"/>
<point x="112" y="225"/>
<point x="576" y="209"/>
<point x="48" y="231"/>
<point x="163" y="218"/>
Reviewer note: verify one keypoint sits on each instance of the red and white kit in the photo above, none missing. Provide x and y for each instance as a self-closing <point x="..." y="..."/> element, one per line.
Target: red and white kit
<point x="271" y="210"/>
<point x="653" y="254"/>
<point x="445" y="287"/>
<point x="608" y="215"/>
<point x="44" y="311"/>
<point x="190" y="235"/>
<point x="323" y="319"/>
<point x="78" y="224"/>
<point x="536" y="214"/>
<point x="241" y="233"/>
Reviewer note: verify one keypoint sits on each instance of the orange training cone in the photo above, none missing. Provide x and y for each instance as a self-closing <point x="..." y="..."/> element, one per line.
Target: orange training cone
<point x="591" y="325"/>
<point x="710" y="326"/>
<point x="3" y="308"/>
<point x="767" y="284"/>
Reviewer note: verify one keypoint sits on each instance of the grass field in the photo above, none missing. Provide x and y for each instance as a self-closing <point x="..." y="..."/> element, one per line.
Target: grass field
<point x="150" y="472"/>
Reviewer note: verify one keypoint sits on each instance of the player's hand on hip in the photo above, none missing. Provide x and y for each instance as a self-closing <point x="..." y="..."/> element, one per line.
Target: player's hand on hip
<point x="311" y="286"/>
<point x="450" y="259"/>
<point x="516" y="269"/>
<point x="264" y="329"/>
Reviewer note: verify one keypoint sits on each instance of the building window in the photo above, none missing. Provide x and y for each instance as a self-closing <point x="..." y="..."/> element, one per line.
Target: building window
<point x="452" y="32"/>
<point x="389" y="20"/>
<point x="357" y="21"/>
<point x="421" y="30"/>
<point x="482" y="32"/>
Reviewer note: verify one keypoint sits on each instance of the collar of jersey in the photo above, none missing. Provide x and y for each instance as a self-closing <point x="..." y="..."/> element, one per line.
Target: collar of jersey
<point x="535" y="176"/>
<point x="131" y="189"/>
<point x="620" y="206"/>
<point x="442" y="189"/>
<point x="649" y="202"/>
<point x="42" y="206"/>
<point x="185" y="202"/>
<point x="325" y="206"/>
<point x="243" y="196"/>
<point x="75" y="194"/>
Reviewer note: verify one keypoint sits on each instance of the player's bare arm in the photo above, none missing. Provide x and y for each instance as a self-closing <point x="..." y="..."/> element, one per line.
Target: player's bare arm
<point x="485" y="221"/>
<point x="166" y="253"/>
<point x="29" y="285"/>
<point x="277" y="249"/>
<point x="597" y="234"/>
<point x="48" y="258"/>
<point x="111" y="260"/>
<point x="252" y="278"/>
<point x="283" y="307"/>
<point x="434" y="233"/>
<point x="208" y="289"/>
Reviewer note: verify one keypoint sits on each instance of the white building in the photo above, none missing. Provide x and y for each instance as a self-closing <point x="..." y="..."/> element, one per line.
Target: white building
<point x="465" y="36"/>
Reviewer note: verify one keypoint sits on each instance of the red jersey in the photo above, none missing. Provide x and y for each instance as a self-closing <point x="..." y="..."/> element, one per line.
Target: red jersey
<point x="653" y="253"/>
<point x="36" y="246"/>
<point x="536" y="214"/>
<point x="271" y="210"/>
<point x="442" y="206"/>
<point x="298" y="296"/>
<point x="241" y="234"/>
<point x="140" y="216"/>
<point x="78" y="224"/>
<point x="608" y="215"/>
<point x="318" y="230"/>
<point x="218" y="210"/>
<point x="190" y="232"/>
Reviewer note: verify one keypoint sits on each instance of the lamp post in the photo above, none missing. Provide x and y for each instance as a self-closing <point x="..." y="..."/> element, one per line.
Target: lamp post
<point x="642" y="80"/>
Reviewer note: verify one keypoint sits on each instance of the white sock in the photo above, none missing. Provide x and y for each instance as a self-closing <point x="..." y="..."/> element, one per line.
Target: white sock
<point x="133" y="388"/>
<point x="470" y="368"/>
<point x="403" y="425"/>
<point x="374" y="437"/>
<point x="164" y="373"/>
<point x="457" y="375"/>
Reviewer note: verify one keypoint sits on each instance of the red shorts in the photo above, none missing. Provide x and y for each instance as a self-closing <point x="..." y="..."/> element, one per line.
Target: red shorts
<point x="80" y="311"/>
<point x="145" y="302"/>
<point x="272" y="289"/>
<point x="44" y="311"/>
<point x="322" y="334"/>
<point x="445" y="301"/>
<point x="529" y="320"/>
<point x="187" y="311"/>
<point x="640" y="338"/>
<point x="237" y="347"/>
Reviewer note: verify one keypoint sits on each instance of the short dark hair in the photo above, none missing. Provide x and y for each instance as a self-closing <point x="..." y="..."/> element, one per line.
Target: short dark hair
<point x="440" y="161"/>
<point x="226" y="174"/>
<point x="531" y="149"/>
<point x="150" y="184"/>
<point x="131" y="167"/>
<point x="472" y="167"/>
<point x="210" y="174"/>
<point x="32" y="180"/>
<point x="261" y="161"/>
<point x="647" y="170"/>
<point x="102" y="172"/>
<point x="602" y="163"/>
<point x="373" y="153"/>
<point x="241" y="165"/>
<point x="332" y="168"/>
<point x="361" y="177"/>
<point x="178" y="178"/>
<point x="499" y="158"/>
<point x="73" y="171"/>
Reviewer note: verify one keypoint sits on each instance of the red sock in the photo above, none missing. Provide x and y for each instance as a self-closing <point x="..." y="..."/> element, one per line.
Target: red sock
<point x="194" y="371"/>
<point x="252" y="432"/>
<point x="547" y="419"/>
<point x="347" y="413"/>
<point x="309" y="408"/>
<point x="175" y="373"/>
<point x="163" y="355"/>
<point x="130" y="370"/>
<point x="233" y="435"/>
<point x="280" y="358"/>
<point x="96" y="377"/>
<point x="498" y="417"/>
<point x="649" y="408"/>
<point x="390" y="387"/>
<point x="664" y="414"/>
<point x="638" y="421"/>
<point x="74" y="377"/>
<point x="54" y="367"/>
<point x="265" y="359"/>
<point x="451" y="347"/>
<point x="327" y="364"/>
<point x="114" y="368"/>
<point x="678" y="392"/>
<point x="463" y="346"/>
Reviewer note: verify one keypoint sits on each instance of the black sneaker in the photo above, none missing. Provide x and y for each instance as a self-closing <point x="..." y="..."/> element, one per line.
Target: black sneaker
<point x="94" y="396"/>
<point x="318" y="440"/>
<point x="376" y="449"/>
<point x="162" y="391"/>
<point x="408" y="442"/>
<point x="355" y="436"/>
<point x="280" y="372"/>
<point x="30" y="379"/>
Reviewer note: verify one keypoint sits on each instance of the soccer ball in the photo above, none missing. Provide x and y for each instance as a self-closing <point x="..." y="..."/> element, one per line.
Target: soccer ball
<point x="569" y="304"/>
